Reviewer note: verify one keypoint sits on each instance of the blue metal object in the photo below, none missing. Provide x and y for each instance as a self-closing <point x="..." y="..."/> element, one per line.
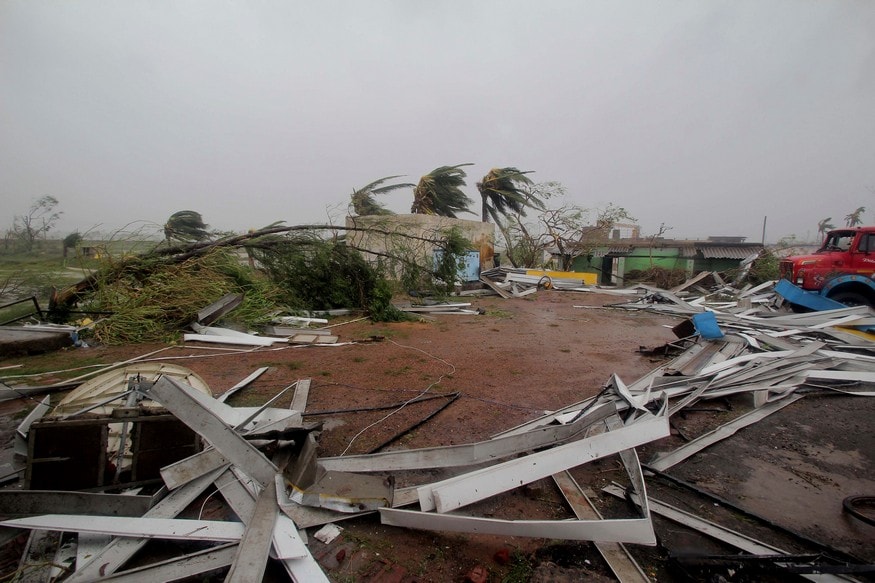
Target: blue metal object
<point x="842" y="279"/>
<point x="469" y="268"/>
<point x="810" y="300"/>
<point x="706" y="326"/>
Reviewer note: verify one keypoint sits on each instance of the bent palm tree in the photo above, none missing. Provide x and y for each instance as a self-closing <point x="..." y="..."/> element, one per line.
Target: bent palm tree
<point x="502" y="190"/>
<point x="824" y="225"/>
<point x="439" y="192"/>
<point x="363" y="202"/>
<point x="855" y="218"/>
<point x="186" y="226"/>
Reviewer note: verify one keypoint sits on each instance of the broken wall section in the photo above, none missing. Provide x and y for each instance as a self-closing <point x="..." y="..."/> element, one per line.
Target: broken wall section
<point x="394" y="233"/>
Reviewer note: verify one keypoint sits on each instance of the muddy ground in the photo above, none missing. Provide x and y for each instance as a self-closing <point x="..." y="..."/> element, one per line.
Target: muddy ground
<point x="508" y="365"/>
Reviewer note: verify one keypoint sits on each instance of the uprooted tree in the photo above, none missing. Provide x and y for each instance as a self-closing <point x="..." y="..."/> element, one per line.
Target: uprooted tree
<point x="308" y="267"/>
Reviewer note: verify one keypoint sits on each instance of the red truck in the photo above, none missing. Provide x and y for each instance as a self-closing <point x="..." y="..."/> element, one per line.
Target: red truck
<point x="843" y="269"/>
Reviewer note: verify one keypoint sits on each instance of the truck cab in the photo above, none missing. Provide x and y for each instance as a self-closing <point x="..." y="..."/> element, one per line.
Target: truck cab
<point x="843" y="268"/>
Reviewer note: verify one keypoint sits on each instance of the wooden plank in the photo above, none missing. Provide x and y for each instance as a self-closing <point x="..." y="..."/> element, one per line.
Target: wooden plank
<point x="180" y="400"/>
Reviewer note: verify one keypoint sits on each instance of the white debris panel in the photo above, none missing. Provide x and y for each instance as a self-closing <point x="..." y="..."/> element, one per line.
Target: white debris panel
<point x="776" y="357"/>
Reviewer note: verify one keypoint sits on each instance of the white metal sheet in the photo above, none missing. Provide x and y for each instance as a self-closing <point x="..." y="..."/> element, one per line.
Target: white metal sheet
<point x="463" y="490"/>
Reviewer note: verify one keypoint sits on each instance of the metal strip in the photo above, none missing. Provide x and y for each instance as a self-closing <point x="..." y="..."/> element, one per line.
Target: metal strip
<point x="463" y="490"/>
<point x="634" y="530"/>
<point x="180" y="400"/>
<point x="164" y="528"/>
<point x="662" y="462"/>
<point x="299" y="399"/>
<point x="180" y="568"/>
<point x="242" y="384"/>
<point x="251" y="559"/>
<point x="116" y="553"/>
<point x="467" y="454"/>
<point x="15" y="503"/>
<point x="615" y="554"/>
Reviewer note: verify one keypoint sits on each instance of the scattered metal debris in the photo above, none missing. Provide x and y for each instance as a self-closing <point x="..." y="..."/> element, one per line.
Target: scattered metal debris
<point x="264" y="463"/>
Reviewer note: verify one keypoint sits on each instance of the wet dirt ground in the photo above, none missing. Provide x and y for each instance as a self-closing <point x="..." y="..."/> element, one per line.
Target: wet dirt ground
<point x="493" y="371"/>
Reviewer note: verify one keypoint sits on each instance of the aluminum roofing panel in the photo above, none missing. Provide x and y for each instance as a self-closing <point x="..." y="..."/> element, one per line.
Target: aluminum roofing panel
<point x="723" y="252"/>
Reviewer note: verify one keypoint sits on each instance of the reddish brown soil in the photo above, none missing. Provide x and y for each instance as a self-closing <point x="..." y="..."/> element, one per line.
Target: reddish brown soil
<point x="509" y="365"/>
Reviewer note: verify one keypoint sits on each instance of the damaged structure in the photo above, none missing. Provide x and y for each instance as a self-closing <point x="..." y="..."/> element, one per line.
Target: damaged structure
<point x="264" y="462"/>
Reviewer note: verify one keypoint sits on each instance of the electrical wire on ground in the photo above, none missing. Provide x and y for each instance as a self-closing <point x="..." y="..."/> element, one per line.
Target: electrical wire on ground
<point x="407" y="402"/>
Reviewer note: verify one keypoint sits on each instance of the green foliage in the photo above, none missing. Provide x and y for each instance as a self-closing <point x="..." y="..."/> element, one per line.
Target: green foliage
<point x="152" y="300"/>
<point x="363" y="201"/>
<point x="380" y="308"/>
<point x="520" y="569"/>
<point x="504" y="191"/>
<point x="71" y="240"/>
<point x="451" y="259"/>
<point x="186" y="226"/>
<point x="765" y="268"/>
<point x="824" y="225"/>
<point x="321" y="275"/>
<point x="855" y="218"/>
<point x="440" y="192"/>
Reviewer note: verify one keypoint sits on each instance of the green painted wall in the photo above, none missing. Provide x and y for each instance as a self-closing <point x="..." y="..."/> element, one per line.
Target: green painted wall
<point x="666" y="258"/>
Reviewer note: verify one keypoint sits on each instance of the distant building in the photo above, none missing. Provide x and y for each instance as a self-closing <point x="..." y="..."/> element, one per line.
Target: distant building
<point x="625" y="231"/>
<point x="613" y="259"/>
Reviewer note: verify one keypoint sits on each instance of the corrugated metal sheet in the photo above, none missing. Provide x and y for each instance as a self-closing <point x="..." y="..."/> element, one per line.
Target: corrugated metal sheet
<point x="687" y="251"/>
<point x="725" y="252"/>
<point x="613" y="250"/>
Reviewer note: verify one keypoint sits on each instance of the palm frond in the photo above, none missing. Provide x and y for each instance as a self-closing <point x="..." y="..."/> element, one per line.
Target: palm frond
<point x="363" y="201"/>
<point x="440" y="192"/>
<point x="504" y="191"/>
<point x="186" y="226"/>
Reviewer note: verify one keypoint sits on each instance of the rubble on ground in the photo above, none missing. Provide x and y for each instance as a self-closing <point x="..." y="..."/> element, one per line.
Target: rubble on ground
<point x="263" y="462"/>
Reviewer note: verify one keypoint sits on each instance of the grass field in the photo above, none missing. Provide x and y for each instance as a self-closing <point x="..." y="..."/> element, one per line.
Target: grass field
<point x="25" y="274"/>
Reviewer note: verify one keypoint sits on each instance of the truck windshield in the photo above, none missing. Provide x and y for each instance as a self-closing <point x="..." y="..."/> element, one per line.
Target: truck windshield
<point x="838" y="242"/>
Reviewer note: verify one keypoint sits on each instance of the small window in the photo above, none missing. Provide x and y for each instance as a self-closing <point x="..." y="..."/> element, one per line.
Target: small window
<point x="867" y="243"/>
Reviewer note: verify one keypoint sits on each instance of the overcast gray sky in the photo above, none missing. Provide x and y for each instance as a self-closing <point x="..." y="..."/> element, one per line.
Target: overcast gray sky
<point x="703" y="115"/>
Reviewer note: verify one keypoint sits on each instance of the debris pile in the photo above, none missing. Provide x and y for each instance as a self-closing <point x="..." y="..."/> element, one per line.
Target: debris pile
<point x="264" y="462"/>
<point x="513" y="282"/>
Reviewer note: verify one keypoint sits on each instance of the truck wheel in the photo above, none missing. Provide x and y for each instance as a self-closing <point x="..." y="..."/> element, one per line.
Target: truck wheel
<point x="850" y="299"/>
